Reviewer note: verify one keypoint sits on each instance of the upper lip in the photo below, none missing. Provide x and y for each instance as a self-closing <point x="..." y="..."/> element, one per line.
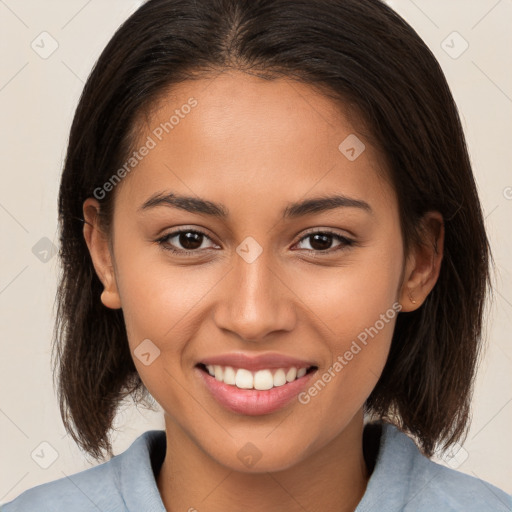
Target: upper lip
<point x="253" y="362"/>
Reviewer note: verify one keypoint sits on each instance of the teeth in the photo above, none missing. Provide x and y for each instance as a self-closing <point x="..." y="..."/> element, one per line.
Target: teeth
<point x="219" y="374"/>
<point x="263" y="380"/>
<point x="291" y="374"/>
<point x="279" y="378"/>
<point x="244" y="379"/>
<point x="229" y="376"/>
<point x="260" y="380"/>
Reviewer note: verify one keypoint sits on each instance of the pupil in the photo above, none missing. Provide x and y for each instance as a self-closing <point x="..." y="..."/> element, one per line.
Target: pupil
<point x="321" y="241"/>
<point x="190" y="240"/>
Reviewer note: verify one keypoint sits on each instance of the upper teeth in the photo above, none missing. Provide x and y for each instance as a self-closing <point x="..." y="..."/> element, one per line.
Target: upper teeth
<point x="261" y="380"/>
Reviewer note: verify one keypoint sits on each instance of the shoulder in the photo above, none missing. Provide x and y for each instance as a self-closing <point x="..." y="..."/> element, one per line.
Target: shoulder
<point x="103" y="487"/>
<point x="404" y="479"/>
<point x="78" y="492"/>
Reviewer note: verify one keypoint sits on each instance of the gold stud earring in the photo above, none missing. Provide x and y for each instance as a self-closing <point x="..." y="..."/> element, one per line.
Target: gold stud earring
<point x="411" y="299"/>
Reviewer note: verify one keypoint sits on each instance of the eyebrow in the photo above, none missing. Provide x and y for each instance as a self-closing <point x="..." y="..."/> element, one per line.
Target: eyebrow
<point x="218" y="210"/>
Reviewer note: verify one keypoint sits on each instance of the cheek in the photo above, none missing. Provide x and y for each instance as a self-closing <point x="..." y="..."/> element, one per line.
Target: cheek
<point x="359" y="350"/>
<point x="352" y="297"/>
<point x="161" y="303"/>
<point x="356" y="307"/>
<point x="159" y="298"/>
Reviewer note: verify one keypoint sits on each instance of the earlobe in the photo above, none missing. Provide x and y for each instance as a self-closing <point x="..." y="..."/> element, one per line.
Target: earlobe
<point x="97" y="243"/>
<point x="110" y="299"/>
<point x="424" y="263"/>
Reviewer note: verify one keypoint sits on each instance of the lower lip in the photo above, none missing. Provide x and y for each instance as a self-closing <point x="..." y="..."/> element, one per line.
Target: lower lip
<point x="253" y="402"/>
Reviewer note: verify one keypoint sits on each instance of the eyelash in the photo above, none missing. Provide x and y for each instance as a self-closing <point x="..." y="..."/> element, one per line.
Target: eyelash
<point x="164" y="244"/>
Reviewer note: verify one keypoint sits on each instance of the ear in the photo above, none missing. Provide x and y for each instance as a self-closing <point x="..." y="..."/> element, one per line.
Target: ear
<point x="423" y="263"/>
<point x="97" y="242"/>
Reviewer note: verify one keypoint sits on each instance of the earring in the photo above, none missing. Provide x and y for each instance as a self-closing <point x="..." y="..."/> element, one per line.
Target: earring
<point x="411" y="299"/>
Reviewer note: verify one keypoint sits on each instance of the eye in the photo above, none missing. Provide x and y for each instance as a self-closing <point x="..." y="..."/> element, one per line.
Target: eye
<point x="320" y="241"/>
<point x="190" y="240"/>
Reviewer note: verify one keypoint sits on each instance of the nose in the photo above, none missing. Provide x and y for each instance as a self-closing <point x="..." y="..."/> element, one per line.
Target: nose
<point x="256" y="300"/>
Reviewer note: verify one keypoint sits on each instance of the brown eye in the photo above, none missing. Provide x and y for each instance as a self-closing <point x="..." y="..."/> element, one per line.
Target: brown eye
<point x="190" y="240"/>
<point x="184" y="241"/>
<point x="321" y="241"/>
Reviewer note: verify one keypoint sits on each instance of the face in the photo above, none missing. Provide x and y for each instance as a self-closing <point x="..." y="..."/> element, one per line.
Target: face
<point x="241" y="276"/>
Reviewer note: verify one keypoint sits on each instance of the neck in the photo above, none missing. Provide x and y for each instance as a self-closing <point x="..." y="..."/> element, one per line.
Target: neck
<point x="333" y="478"/>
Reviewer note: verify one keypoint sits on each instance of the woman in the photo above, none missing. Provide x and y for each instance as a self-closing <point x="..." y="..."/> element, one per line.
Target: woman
<point x="269" y="223"/>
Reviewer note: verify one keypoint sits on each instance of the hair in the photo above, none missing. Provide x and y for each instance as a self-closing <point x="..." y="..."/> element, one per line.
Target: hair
<point x="361" y="54"/>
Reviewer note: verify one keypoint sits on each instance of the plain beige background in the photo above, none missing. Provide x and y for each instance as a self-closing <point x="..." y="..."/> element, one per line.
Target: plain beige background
<point x="47" y="51"/>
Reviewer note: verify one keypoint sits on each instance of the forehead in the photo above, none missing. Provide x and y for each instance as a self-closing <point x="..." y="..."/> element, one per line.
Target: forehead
<point x="238" y="136"/>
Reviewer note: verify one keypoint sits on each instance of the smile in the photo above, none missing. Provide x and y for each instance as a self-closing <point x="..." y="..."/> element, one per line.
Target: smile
<point x="252" y="393"/>
<point x="261" y="380"/>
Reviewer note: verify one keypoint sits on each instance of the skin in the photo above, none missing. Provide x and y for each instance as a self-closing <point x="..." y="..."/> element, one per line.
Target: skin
<point x="255" y="146"/>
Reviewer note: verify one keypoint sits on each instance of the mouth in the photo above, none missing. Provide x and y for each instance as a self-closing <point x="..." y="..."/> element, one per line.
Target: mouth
<point x="251" y="386"/>
<point x="262" y="380"/>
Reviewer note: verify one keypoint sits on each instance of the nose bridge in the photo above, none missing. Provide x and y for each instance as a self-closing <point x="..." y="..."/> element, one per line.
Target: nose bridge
<point x="256" y="302"/>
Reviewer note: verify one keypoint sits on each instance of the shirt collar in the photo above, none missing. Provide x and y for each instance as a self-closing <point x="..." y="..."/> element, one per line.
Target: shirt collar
<point x="137" y="468"/>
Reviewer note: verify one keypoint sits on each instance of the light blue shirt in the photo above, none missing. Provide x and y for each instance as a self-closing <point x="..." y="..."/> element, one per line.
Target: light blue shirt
<point x="402" y="480"/>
